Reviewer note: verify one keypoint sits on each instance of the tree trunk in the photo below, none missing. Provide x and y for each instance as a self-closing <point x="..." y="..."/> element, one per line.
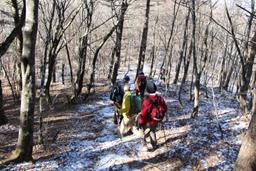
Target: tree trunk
<point x="196" y="96"/>
<point x="185" y="72"/>
<point x="185" y="37"/>
<point x="119" y="35"/>
<point x="24" y="147"/>
<point x="49" y="77"/>
<point x="195" y="69"/>
<point x="9" y="82"/>
<point x="17" y="19"/>
<point x="70" y="66"/>
<point x="54" y="74"/>
<point x="63" y="74"/>
<point x="223" y="72"/>
<point x="95" y="57"/>
<point x="16" y="31"/>
<point x="245" y="80"/>
<point x="169" y="67"/>
<point x="152" y="61"/>
<point x="3" y="119"/>
<point x="246" y="159"/>
<point x="82" y="60"/>
<point x="110" y="70"/>
<point x="83" y="46"/>
<point x="153" y="52"/>
<point x="144" y="39"/>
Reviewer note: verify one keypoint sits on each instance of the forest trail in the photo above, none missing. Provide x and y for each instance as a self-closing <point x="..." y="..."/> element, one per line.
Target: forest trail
<point x="185" y="144"/>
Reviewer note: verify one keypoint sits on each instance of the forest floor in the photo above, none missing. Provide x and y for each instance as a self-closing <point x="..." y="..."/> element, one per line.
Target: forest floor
<point x="84" y="137"/>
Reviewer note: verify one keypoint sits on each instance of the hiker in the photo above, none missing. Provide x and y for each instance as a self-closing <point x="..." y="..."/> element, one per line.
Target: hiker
<point x="152" y="112"/>
<point x="162" y="73"/>
<point x="131" y="106"/>
<point x="140" y="84"/>
<point x="116" y="96"/>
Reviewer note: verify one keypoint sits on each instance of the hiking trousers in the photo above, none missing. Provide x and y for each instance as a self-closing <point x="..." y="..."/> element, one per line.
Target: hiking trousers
<point x="149" y="132"/>
<point x="117" y="117"/>
<point x="126" y="124"/>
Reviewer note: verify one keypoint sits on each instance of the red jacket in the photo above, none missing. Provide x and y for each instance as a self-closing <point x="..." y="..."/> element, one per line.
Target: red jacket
<point x="147" y="107"/>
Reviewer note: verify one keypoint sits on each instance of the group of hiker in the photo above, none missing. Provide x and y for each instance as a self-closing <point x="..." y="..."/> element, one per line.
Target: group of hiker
<point x="142" y="110"/>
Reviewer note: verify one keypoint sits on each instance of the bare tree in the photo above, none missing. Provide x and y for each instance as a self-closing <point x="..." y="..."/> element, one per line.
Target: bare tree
<point x="24" y="146"/>
<point x="119" y="36"/>
<point x="83" y="46"/>
<point x="95" y="57"/>
<point x="198" y="64"/>
<point x="144" y="38"/>
<point x="62" y="18"/>
<point x="182" y="50"/>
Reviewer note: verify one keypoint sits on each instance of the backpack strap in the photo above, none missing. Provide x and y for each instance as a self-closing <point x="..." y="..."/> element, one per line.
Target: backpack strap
<point x="154" y="104"/>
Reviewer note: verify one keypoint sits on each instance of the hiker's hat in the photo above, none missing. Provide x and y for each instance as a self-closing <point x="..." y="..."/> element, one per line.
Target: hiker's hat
<point x="151" y="87"/>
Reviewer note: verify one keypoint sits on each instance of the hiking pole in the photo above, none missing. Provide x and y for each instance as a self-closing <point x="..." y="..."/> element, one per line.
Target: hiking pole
<point x="162" y="128"/>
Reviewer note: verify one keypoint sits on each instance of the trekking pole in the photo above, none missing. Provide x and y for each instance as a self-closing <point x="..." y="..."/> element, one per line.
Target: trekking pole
<point x="162" y="128"/>
<point x="165" y="139"/>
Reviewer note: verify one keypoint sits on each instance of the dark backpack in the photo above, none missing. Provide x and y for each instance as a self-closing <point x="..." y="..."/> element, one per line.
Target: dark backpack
<point x="135" y="102"/>
<point x="157" y="112"/>
<point x="117" y="94"/>
<point x="142" y="82"/>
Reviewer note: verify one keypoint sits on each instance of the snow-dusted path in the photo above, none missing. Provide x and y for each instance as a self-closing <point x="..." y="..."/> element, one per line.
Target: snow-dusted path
<point x="185" y="143"/>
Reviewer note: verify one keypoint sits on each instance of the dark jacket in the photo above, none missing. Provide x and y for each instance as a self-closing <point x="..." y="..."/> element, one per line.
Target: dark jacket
<point x="138" y="83"/>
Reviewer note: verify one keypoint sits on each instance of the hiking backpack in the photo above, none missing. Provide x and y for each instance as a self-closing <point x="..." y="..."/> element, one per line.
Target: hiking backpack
<point x="157" y="112"/>
<point x="142" y="82"/>
<point x="135" y="105"/>
<point x="117" y="94"/>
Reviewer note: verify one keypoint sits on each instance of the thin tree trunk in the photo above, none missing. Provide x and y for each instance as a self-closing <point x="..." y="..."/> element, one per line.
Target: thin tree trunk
<point x="169" y="69"/>
<point x="9" y="82"/>
<point x="185" y="37"/>
<point x="95" y="57"/>
<point x="196" y="73"/>
<point x="119" y="35"/>
<point x="54" y="72"/>
<point x="70" y="66"/>
<point x="3" y="119"/>
<point x="63" y="74"/>
<point x="144" y="39"/>
<point x="17" y="19"/>
<point x="222" y="73"/>
<point x="110" y="70"/>
<point x="185" y="72"/>
<point x="153" y="49"/>
<point x="81" y="69"/>
<point x="152" y="61"/>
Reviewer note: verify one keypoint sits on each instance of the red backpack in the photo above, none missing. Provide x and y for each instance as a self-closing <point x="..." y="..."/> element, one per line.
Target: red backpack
<point x="157" y="111"/>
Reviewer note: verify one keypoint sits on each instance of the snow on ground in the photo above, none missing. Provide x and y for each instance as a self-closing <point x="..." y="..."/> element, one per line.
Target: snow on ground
<point x="209" y="141"/>
<point x="185" y="144"/>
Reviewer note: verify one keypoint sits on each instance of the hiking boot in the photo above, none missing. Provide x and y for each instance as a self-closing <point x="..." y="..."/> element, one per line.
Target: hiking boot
<point x="153" y="148"/>
<point x="143" y="142"/>
<point x="128" y="133"/>
<point x="119" y="134"/>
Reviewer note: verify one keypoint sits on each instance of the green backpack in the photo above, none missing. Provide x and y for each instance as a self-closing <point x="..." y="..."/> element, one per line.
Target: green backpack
<point x="135" y="102"/>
